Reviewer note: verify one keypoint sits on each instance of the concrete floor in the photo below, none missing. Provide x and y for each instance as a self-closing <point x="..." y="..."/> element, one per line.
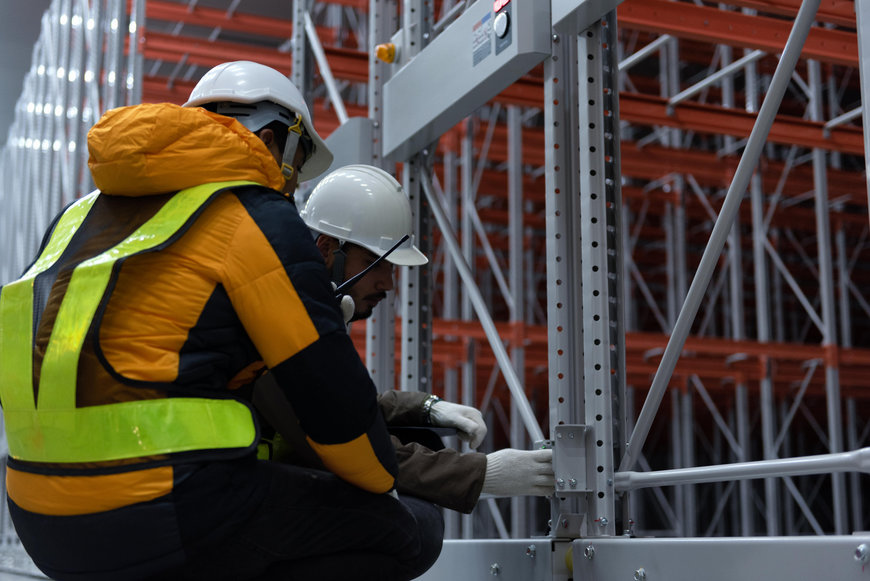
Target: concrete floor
<point x="4" y="576"/>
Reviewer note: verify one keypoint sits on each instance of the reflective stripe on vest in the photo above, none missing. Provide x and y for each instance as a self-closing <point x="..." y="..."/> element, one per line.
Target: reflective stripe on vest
<point x="52" y="429"/>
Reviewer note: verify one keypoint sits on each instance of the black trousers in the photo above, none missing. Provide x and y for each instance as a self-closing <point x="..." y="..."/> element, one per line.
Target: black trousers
<point x="310" y="525"/>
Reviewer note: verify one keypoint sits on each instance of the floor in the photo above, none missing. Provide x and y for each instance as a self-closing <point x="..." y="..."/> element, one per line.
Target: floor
<point x="4" y="576"/>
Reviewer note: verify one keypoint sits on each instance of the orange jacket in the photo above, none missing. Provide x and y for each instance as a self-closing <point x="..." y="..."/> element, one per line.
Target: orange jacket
<point x="241" y="285"/>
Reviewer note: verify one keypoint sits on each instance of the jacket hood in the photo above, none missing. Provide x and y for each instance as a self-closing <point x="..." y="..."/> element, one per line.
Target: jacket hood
<point x="157" y="148"/>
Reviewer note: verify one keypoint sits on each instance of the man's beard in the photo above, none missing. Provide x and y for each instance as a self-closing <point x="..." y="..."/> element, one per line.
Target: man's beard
<point x="360" y="315"/>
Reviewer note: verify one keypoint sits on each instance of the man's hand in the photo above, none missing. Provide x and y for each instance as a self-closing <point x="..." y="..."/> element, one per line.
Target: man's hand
<point x="512" y="472"/>
<point x="467" y="420"/>
<point x="347" y="305"/>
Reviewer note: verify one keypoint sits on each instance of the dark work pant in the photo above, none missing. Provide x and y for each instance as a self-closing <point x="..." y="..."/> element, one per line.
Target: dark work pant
<point x="314" y="525"/>
<point x="310" y="525"/>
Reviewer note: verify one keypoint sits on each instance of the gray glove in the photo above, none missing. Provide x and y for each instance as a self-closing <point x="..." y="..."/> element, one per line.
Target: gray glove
<point x="512" y="472"/>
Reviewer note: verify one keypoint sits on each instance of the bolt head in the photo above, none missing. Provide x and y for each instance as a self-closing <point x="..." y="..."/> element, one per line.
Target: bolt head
<point x="531" y="551"/>
<point x="560" y="483"/>
<point x="494" y="569"/>
<point x="572" y="483"/>
<point x="862" y="553"/>
<point x="589" y="552"/>
<point x="640" y="575"/>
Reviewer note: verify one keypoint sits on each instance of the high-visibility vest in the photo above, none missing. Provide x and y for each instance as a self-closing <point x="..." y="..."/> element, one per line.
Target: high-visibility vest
<point x="52" y="428"/>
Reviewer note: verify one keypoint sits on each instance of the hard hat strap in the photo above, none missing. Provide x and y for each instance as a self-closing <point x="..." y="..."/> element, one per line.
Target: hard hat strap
<point x="353" y="280"/>
<point x="294" y="134"/>
<point x="338" y="258"/>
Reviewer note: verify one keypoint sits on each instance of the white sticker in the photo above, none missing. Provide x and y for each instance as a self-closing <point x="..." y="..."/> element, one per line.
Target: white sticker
<point x="481" y="38"/>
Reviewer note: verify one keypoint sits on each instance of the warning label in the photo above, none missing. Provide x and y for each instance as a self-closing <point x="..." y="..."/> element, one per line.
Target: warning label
<point x="481" y="38"/>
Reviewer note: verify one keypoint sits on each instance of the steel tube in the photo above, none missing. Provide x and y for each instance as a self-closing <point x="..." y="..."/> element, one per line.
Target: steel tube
<point x="480" y="308"/>
<point x="858" y="460"/>
<point x="325" y="69"/>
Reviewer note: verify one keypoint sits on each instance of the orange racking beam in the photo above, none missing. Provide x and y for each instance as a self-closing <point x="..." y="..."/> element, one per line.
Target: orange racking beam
<point x="839" y="12"/>
<point x="213" y="18"/>
<point x="346" y="64"/>
<point x="200" y="51"/>
<point x="687" y="20"/>
<point x="352" y="65"/>
<point x="711" y="359"/>
<point x="651" y="110"/>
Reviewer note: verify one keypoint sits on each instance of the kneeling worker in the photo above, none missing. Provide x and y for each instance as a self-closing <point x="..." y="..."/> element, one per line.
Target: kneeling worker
<point x="358" y="213"/>
<point x="132" y="452"/>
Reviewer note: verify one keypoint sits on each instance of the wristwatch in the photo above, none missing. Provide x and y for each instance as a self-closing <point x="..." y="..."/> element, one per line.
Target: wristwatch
<point x="427" y="407"/>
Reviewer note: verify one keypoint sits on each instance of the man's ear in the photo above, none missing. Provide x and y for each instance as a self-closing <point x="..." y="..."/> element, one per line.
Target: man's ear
<point x="266" y="135"/>
<point x="326" y="244"/>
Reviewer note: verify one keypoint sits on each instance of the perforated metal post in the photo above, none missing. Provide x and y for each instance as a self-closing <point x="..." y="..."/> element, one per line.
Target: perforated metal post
<point x="381" y="326"/>
<point x="564" y="302"/>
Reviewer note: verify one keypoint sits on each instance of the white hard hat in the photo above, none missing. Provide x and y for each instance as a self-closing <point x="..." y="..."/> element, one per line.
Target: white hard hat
<point x="364" y="205"/>
<point x="235" y="86"/>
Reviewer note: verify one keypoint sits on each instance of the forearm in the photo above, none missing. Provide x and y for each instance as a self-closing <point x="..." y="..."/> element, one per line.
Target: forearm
<point x="445" y="477"/>
<point x="403" y="408"/>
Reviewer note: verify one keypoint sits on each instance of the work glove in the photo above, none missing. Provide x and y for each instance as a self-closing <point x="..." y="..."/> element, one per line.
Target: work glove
<point x="347" y="305"/>
<point x="467" y="420"/>
<point x="512" y="472"/>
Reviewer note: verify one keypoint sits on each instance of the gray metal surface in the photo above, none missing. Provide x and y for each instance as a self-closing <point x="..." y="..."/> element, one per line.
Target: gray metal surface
<point x="746" y="559"/>
<point x="862" y="15"/>
<point x="459" y="71"/>
<point x="531" y="559"/>
<point x="585" y="11"/>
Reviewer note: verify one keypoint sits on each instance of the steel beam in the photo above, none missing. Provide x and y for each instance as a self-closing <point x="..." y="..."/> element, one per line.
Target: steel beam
<point x="712" y="25"/>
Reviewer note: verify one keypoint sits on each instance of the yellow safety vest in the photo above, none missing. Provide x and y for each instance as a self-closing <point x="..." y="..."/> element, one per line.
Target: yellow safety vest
<point x="52" y="429"/>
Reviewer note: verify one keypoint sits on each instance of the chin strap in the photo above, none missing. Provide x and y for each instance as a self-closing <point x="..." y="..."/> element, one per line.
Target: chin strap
<point x="353" y="280"/>
<point x="338" y="258"/>
<point x="294" y="134"/>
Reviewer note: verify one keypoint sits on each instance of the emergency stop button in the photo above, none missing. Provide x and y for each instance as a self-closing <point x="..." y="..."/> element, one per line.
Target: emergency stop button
<point x="502" y="24"/>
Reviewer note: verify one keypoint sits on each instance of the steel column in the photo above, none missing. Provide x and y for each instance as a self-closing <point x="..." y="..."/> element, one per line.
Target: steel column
<point x="826" y="289"/>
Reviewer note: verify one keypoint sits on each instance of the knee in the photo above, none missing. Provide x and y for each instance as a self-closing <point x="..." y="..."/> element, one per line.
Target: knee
<point x="430" y="532"/>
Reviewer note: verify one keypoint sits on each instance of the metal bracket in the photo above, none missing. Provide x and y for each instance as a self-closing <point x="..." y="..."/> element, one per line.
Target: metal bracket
<point x="569" y="459"/>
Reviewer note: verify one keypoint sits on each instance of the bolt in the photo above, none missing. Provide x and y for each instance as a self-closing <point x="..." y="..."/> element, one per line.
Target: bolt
<point x="565" y="523"/>
<point x="602" y="522"/>
<point x="559" y="435"/>
<point x="531" y="551"/>
<point x="494" y="569"/>
<point x="640" y="575"/>
<point x="555" y="38"/>
<point x="560" y="483"/>
<point x="589" y="552"/>
<point x="862" y="553"/>
<point x="571" y="435"/>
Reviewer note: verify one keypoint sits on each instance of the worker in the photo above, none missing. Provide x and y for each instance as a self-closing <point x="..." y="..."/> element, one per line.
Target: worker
<point x="358" y="214"/>
<point x="132" y="448"/>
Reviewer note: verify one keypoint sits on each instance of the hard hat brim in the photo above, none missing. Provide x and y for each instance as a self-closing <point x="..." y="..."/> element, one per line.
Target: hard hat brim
<point x="407" y="257"/>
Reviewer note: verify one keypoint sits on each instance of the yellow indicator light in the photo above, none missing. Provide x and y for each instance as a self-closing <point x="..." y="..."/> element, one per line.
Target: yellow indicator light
<point x="386" y="52"/>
